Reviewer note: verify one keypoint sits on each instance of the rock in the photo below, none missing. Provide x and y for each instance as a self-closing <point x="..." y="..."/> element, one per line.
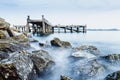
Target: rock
<point x="8" y="72"/>
<point x="3" y="23"/>
<point x="5" y="30"/>
<point x="3" y="55"/>
<point x="87" y="48"/>
<point x="88" y="68"/>
<point x="112" y="57"/>
<point x="42" y="60"/>
<point x="65" y="78"/>
<point x="82" y="54"/>
<point x="33" y="40"/>
<point x="20" y="38"/>
<point x="22" y="66"/>
<point x="2" y="35"/>
<point x="113" y="76"/>
<point x="44" y="45"/>
<point x="58" y="43"/>
<point x="9" y="47"/>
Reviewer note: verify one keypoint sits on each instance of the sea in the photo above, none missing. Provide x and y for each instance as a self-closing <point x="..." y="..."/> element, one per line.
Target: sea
<point x="107" y="42"/>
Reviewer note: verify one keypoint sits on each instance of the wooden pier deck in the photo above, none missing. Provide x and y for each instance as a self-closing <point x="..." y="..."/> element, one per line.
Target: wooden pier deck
<point x="43" y="26"/>
<point x="70" y="28"/>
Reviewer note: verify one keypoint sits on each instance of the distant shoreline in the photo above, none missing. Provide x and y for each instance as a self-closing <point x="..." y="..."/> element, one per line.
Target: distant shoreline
<point x="103" y="29"/>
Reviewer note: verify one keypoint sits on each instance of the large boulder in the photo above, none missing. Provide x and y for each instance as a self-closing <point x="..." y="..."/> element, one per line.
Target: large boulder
<point x="87" y="48"/>
<point x="111" y="57"/>
<point x="8" y="72"/>
<point x="87" y="69"/>
<point x="17" y="67"/>
<point x="8" y="47"/>
<point x="58" y="43"/>
<point x="113" y="76"/>
<point x="42" y="60"/>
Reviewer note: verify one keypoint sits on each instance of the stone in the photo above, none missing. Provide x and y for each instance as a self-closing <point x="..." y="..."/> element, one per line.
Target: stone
<point x="65" y="78"/>
<point x="3" y="55"/>
<point x="5" y="30"/>
<point x="20" y="38"/>
<point x="9" y="47"/>
<point x="44" y="45"/>
<point x="113" y="76"/>
<point x="111" y="57"/>
<point x="2" y="35"/>
<point x="87" y="48"/>
<point x="88" y="68"/>
<point x="22" y="66"/>
<point x="42" y="60"/>
<point x="82" y="54"/>
<point x="8" y="72"/>
<point x="58" y="43"/>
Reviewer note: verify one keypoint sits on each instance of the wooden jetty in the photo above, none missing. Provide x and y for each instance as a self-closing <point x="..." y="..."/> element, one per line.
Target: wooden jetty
<point x="43" y="26"/>
<point x="70" y="28"/>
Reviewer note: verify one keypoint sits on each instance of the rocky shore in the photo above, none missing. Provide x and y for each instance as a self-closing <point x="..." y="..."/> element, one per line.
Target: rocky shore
<point x="17" y="63"/>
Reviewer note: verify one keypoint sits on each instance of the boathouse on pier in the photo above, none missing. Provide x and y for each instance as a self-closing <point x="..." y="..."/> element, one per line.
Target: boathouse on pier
<point x="43" y="26"/>
<point x="39" y="26"/>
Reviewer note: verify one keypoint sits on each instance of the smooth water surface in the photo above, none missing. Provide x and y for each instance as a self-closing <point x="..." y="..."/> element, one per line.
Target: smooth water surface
<point x="106" y="41"/>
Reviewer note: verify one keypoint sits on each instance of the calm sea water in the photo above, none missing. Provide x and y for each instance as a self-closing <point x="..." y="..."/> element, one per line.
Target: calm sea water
<point x="108" y="42"/>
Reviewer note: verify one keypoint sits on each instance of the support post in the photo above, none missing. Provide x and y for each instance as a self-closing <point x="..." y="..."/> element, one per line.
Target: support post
<point x="52" y="29"/>
<point x="27" y="25"/>
<point x="43" y="24"/>
<point x="65" y="29"/>
<point x="71" y="30"/>
<point x="77" y="29"/>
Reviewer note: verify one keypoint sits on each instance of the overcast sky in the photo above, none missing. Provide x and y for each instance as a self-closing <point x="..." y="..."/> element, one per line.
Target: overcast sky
<point x="94" y="13"/>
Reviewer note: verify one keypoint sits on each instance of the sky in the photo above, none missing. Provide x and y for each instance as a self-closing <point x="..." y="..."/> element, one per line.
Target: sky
<point x="93" y="13"/>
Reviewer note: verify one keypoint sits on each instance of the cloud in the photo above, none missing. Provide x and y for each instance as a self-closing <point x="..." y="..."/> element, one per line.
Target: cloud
<point x="64" y="4"/>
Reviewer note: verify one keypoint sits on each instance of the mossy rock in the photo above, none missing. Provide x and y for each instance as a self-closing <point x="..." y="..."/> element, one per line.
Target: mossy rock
<point x="58" y="43"/>
<point x="8" y="72"/>
<point x="21" y="38"/>
<point x="2" y="35"/>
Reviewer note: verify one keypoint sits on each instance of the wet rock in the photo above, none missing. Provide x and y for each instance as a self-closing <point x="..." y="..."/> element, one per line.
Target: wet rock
<point x="113" y="76"/>
<point x="8" y="72"/>
<point x="42" y="60"/>
<point x="82" y="54"/>
<point x="7" y="47"/>
<point x="22" y="64"/>
<point x="44" y="45"/>
<point x="2" y="35"/>
<point x="58" y="43"/>
<point x="111" y="57"/>
<point x="3" y="55"/>
<point x="65" y="78"/>
<point x="20" y="38"/>
<point x="88" y="68"/>
<point x="87" y="48"/>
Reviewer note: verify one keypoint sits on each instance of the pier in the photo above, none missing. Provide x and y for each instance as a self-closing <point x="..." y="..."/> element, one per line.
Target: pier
<point x="69" y="28"/>
<point x="43" y="26"/>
